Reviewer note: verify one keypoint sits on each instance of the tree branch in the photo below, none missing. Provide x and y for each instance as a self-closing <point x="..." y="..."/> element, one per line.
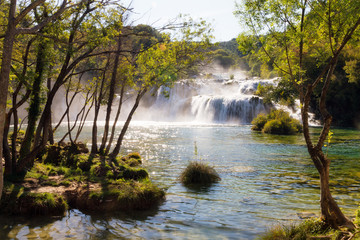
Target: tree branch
<point x="24" y="12"/>
<point x="46" y="20"/>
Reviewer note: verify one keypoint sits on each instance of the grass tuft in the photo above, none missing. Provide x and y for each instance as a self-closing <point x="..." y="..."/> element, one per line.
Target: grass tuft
<point x="305" y="230"/>
<point x="199" y="173"/>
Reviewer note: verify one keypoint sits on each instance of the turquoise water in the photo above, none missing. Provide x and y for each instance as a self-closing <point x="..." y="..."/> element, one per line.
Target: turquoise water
<point x="266" y="180"/>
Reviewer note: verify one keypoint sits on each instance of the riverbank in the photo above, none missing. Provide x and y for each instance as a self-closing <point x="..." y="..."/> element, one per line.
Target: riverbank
<point x="66" y="176"/>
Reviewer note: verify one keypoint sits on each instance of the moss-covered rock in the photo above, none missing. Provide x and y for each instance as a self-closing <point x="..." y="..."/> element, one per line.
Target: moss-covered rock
<point x="65" y="176"/>
<point x="134" y="173"/>
<point x="121" y="195"/>
<point x="53" y="155"/>
<point x="132" y="159"/>
<point x="64" y="154"/>
<point x="42" y="204"/>
<point x="84" y="162"/>
<point x="18" y="200"/>
<point x="99" y="168"/>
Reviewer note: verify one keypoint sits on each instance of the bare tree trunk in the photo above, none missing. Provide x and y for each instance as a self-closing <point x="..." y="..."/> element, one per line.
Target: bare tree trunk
<point x="94" y="148"/>
<point x="51" y="134"/>
<point x="111" y="96"/>
<point x="83" y="112"/>
<point x="35" y="100"/>
<point x="116" y="150"/>
<point x="107" y="150"/>
<point x="11" y="157"/>
<point x="97" y="101"/>
<point x="84" y="117"/>
<point x="14" y="154"/>
<point x="6" y="148"/>
<point x="4" y="78"/>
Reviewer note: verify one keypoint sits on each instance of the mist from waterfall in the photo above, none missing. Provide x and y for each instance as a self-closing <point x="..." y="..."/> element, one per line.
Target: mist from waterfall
<point x="224" y="97"/>
<point x="213" y="98"/>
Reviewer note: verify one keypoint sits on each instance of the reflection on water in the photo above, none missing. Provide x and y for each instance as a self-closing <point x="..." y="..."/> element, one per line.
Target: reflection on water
<point x="265" y="180"/>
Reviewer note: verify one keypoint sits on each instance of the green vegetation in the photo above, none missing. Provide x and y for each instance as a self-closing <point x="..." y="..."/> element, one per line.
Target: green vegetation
<point x="308" y="229"/>
<point x="124" y="195"/>
<point x="284" y="93"/>
<point x="199" y="173"/>
<point x="19" y="200"/>
<point x="357" y="217"/>
<point x="304" y="230"/>
<point x="304" y="41"/>
<point x="65" y="176"/>
<point x="85" y="48"/>
<point x="276" y="122"/>
<point x="227" y="55"/>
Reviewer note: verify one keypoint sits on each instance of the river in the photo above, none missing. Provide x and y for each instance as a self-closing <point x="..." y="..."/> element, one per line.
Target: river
<point x="266" y="180"/>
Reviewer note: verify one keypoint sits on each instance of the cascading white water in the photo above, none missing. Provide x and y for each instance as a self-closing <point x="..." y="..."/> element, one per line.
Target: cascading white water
<point x="208" y="100"/>
<point x="226" y="109"/>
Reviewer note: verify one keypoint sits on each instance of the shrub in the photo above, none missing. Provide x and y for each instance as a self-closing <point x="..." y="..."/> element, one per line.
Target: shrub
<point x="199" y="173"/>
<point x="259" y="122"/>
<point x="276" y="122"/>
<point x="274" y="127"/>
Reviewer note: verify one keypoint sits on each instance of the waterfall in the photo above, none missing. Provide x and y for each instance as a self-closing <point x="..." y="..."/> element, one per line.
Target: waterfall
<point x="207" y="100"/>
<point x="226" y="109"/>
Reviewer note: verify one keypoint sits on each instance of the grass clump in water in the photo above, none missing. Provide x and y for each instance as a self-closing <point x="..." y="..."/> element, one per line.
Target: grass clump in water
<point x="199" y="173"/>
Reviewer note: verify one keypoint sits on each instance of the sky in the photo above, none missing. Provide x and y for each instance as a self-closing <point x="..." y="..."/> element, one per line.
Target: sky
<point x="219" y="13"/>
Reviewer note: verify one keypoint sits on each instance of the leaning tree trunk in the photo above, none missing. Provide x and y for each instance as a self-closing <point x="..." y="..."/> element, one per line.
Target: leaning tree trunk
<point x="111" y="96"/>
<point x="330" y="211"/>
<point x="116" y="150"/>
<point x="107" y="150"/>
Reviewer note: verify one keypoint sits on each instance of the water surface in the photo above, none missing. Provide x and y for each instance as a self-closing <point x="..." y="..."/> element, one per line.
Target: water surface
<point x="266" y="180"/>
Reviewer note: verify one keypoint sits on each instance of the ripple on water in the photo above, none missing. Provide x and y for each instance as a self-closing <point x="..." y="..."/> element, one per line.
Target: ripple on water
<point x="265" y="180"/>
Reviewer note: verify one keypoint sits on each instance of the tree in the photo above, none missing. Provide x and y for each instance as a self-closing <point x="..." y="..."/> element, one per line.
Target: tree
<point x="14" y="18"/>
<point x="160" y="62"/>
<point x="293" y="32"/>
<point x="80" y="34"/>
